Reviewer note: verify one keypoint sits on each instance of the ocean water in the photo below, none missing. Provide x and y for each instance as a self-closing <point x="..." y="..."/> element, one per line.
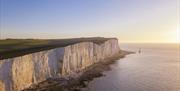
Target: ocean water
<point x="156" y="68"/>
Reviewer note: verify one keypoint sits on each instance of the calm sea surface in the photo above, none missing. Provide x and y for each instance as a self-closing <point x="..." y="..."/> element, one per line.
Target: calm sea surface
<point x="156" y="68"/>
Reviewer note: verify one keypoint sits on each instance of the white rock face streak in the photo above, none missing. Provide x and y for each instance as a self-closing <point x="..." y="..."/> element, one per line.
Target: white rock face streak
<point x="21" y="72"/>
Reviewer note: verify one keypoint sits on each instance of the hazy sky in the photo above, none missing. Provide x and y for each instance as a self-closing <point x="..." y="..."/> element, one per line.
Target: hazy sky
<point x="128" y="20"/>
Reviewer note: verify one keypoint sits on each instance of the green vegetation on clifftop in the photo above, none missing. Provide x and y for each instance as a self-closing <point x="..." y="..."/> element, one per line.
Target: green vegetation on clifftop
<point x="17" y="47"/>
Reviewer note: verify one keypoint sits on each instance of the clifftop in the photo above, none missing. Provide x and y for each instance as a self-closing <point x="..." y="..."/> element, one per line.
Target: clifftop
<point x="17" y="47"/>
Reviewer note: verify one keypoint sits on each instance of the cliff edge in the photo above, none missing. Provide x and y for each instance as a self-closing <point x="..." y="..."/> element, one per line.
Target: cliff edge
<point x="21" y="72"/>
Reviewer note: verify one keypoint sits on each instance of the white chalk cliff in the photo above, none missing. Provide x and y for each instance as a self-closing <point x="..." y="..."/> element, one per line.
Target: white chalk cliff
<point x="21" y="72"/>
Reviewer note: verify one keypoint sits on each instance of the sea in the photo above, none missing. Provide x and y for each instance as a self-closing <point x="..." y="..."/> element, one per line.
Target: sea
<point x="153" y="67"/>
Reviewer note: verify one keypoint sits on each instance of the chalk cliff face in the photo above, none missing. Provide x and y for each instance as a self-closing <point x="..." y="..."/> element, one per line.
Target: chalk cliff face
<point x="21" y="72"/>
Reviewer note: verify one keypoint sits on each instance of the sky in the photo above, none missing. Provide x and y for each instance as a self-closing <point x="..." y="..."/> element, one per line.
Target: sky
<point x="129" y="20"/>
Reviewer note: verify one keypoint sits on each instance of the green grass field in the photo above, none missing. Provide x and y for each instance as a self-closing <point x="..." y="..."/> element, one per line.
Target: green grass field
<point x="17" y="47"/>
<point x="14" y="44"/>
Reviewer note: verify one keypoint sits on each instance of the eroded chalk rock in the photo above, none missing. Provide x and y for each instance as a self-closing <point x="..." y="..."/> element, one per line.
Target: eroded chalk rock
<point x="21" y="72"/>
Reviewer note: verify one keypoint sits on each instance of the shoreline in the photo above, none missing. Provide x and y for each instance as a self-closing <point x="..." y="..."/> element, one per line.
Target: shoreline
<point x="81" y="81"/>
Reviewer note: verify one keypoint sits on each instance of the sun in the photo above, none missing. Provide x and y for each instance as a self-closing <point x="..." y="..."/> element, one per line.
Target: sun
<point x="173" y="36"/>
<point x="177" y="39"/>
